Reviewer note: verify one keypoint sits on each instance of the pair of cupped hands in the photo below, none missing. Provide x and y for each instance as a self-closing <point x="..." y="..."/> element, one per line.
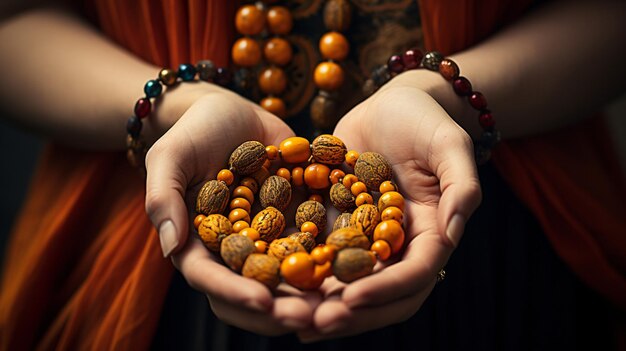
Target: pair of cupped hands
<point x="433" y="165"/>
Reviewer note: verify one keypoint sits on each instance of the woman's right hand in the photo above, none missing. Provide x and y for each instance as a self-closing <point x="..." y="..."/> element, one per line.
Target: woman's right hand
<point x="190" y="153"/>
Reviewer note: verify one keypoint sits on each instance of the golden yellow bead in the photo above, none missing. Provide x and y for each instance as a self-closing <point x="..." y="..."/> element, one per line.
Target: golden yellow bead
<point x="328" y="76"/>
<point x="277" y="51"/>
<point x="364" y="198"/>
<point x="274" y="105"/>
<point x="334" y="46"/>
<point x="273" y="80"/>
<point x="249" y="20"/>
<point x="295" y="150"/>
<point x="279" y="20"/>
<point x="246" y="52"/>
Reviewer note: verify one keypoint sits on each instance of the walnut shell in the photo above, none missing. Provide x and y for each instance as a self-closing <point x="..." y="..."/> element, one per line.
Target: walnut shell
<point x="372" y="169"/>
<point x="342" y="221"/>
<point x="306" y="239"/>
<point x="212" y="198"/>
<point x="323" y="111"/>
<point x="337" y="15"/>
<point x="262" y="268"/>
<point x="269" y="222"/>
<point x="365" y="218"/>
<point x="247" y="158"/>
<point x="348" y="237"/>
<point x="352" y="264"/>
<point x="342" y="198"/>
<point x="328" y="149"/>
<point x="276" y="192"/>
<point x="235" y="249"/>
<point x="311" y="211"/>
<point x="213" y="229"/>
<point x="283" y="247"/>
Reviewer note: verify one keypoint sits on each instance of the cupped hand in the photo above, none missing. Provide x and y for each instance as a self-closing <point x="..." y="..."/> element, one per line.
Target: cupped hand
<point x="434" y="167"/>
<point x="190" y="153"/>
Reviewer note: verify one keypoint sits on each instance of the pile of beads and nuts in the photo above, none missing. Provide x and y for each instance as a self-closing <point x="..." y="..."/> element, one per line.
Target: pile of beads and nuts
<point x="255" y="246"/>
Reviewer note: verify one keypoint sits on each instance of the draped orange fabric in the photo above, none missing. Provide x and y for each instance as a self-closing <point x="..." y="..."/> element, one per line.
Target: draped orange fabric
<point x="84" y="269"/>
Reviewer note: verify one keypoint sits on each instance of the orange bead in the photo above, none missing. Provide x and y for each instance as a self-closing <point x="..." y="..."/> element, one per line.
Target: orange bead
<point x="391" y="198"/>
<point x="316" y="197"/>
<point x="251" y="233"/>
<point x="295" y="150"/>
<point x="351" y="157"/>
<point x="245" y="192"/>
<point x="334" y="46"/>
<point x="297" y="176"/>
<point x="387" y="186"/>
<point x="392" y="212"/>
<point x="279" y="20"/>
<point x="309" y="227"/>
<point x="239" y="226"/>
<point x="199" y="218"/>
<point x="250" y="183"/>
<point x="260" y="246"/>
<point x="272" y="80"/>
<point x="249" y="20"/>
<point x="226" y="176"/>
<point x="382" y="249"/>
<point x="391" y="231"/>
<point x="272" y="152"/>
<point x="284" y="173"/>
<point x="267" y="164"/>
<point x="357" y="188"/>
<point x="277" y="51"/>
<point x="323" y="254"/>
<point x="240" y="202"/>
<point x="321" y="272"/>
<point x="274" y="105"/>
<point x="364" y="198"/>
<point x="316" y="176"/>
<point x="297" y="268"/>
<point x="246" y="52"/>
<point x="328" y="76"/>
<point x="336" y="175"/>
<point x="239" y="214"/>
<point x="349" y="179"/>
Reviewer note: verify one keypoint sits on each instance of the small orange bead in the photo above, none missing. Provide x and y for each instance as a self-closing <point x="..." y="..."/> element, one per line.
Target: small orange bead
<point x="246" y="52"/>
<point x="349" y="179"/>
<point x="364" y="198"/>
<point x="392" y="212"/>
<point x="284" y="173"/>
<point x="382" y="249"/>
<point x="277" y="51"/>
<point x="199" y="218"/>
<point x="267" y="164"/>
<point x="316" y="176"/>
<point x="297" y="268"/>
<point x="321" y="272"/>
<point x="272" y="152"/>
<point x="226" y="176"/>
<point x="334" y="46"/>
<point x="245" y="192"/>
<point x="328" y="76"/>
<point x="323" y="254"/>
<point x="351" y="157"/>
<point x="239" y="214"/>
<point x="260" y="246"/>
<point x="249" y="20"/>
<point x="309" y="227"/>
<point x="279" y="20"/>
<point x="239" y="226"/>
<point x="325" y="270"/>
<point x="391" y="198"/>
<point x="391" y="231"/>
<point x="386" y="186"/>
<point x="250" y="183"/>
<point x="272" y="80"/>
<point x="274" y="105"/>
<point x="297" y="176"/>
<point x="295" y="150"/>
<point x="316" y="197"/>
<point x="358" y="187"/>
<point x="336" y="175"/>
<point x="251" y="233"/>
<point x="240" y="202"/>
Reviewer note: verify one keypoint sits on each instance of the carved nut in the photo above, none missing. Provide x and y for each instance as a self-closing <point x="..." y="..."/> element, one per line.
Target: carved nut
<point x="306" y="239"/>
<point x="269" y="222"/>
<point x="311" y="211"/>
<point x="365" y="218"/>
<point x="276" y="192"/>
<point x="328" y="149"/>
<point x="247" y="158"/>
<point x="342" y="221"/>
<point x="352" y="264"/>
<point x="262" y="268"/>
<point x="213" y="229"/>
<point x="337" y="15"/>
<point x="235" y="249"/>
<point x="342" y="198"/>
<point x="212" y="198"/>
<point x="348" y="237"/>
<point x="372" y="169"/>
<point x="283" y="247"/>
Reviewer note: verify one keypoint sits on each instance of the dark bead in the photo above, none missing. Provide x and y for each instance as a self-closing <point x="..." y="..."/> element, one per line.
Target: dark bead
<point x="206" y="70"/>
<point x="432" y="60"/>
<point x="323" y="111"/>
<point x="395" y="64"/>
<point x="337" y="15"/>
<point x="489" y="139"/>
<point x="167" y="76"/>
<point x="133" y="126"/>
<point x="369" y="87"/>
<point x="462" y="86"/>
<point x="223" y="76"/>
<point x="478" y="100"/>
<point x="412" y="58"/>
<point x="486" y="120"/>
<point x="143" y="107"/>
<point x="449" y="69"/>
<point x="152" y="88"/>
<point x="186" y="72"/>
<point x="243" y="81"/>
<point x="482" y="154"/>
<point x="381" y="75"/>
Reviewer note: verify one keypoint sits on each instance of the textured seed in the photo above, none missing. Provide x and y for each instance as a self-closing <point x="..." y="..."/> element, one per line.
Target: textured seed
<point x="212" y="198"/>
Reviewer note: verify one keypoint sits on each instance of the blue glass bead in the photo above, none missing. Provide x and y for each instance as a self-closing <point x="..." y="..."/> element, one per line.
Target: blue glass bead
<point x="186" y="72"/>
<point x="133" y="126"/>
<point x="152" y="88"/>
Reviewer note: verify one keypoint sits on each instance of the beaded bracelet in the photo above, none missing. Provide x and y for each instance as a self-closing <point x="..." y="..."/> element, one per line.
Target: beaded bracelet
<point x="205" y="70"/>
<point x="435" y="61"/>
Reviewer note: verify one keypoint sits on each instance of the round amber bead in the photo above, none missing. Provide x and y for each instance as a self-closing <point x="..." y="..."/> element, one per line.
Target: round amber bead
<point x="386" y="186"/>
<point x="328" y="76"/>
<point x="351" y="157"/>
<point x="267" y="164"/>
<point x="245" y="192"/>
<point x="251" y="233"/>
<point x="279" y="20"/>
<point x="240" y="202"/>
<point x="274" y="105"/>
<point x="246" y="52"/>
<point x="392" y="212"/>
<point x="226" y="176"/>
<point x="316" y="176"/>
<point x="239" y="214"/>
<point x="364" y="198"/>
<point x="295" y="150"/>
<point x="334" y="46"/>
<point x="278" y="51"/>
<point x="284" y="173"/>
<point x="196" y="221"/>
<point x="273" y="80"/>
<point x="309" y="227"/>
<point x="391" y="198"/>
<point x="357" y="188"/>
<point x="272" y="152"/>
<point x="260" y="246"/>
<point x="297" y="268"/>
<point x="392" y="233"/>
<point x="297" y="176"/>
<point x="249" y="20"/>
<point x="336" y="175"/>
<point x="323" y="254"/>
<point x="349" y="179"/>
<point x="316" y="197"/>
<point x="251" y="183"/>
<point x="239" y="226"/>
<point x="382" y="249"/>
<point x="168" y="76"/>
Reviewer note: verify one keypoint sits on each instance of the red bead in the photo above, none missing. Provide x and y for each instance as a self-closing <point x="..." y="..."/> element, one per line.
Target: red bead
<point x="462" y="86"/>
<point x="412" y="58"/>
<point x="486" y="120"/>
<point x="143" y="107"/>
<point x="478" y="100"/>
<point x="395" y="64"/>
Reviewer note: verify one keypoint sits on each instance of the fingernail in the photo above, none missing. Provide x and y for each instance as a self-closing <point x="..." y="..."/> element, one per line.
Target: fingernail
<point x="294" y="323"/>
<point x="168" y="238"/>
<point x="455" y="229"/>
